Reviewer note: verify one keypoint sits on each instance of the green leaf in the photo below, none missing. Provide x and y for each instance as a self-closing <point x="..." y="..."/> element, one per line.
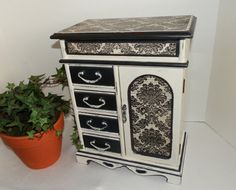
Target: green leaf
<point x="58" y="133"/>
<point x="4" y="122"/>
<point x="60" y="77"/>
<point x="31" y="134"/>
<point x="10" y="86"/>
<point x="15" y="123"/>
<point x="25" y="109"/>
<point x="75" y="139"/>
<point x="37" y="79"/>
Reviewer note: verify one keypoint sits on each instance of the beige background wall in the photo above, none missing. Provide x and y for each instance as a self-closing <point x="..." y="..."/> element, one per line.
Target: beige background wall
<point x="221" y="110"/>
<point x="25" y="27"/>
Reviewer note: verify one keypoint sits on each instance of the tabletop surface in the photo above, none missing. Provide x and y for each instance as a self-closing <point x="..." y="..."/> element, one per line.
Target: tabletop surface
<point x="137" y="26"/>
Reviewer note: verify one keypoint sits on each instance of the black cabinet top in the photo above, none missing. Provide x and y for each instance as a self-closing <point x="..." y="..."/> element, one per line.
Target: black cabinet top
<point x="140" y="28"/>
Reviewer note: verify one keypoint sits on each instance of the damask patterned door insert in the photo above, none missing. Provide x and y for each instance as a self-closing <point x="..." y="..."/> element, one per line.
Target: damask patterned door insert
<point x="150" y="100"/>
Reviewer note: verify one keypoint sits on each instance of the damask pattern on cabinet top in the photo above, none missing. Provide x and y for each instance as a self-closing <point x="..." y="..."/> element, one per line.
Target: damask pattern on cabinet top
<point x="138" y="24"/>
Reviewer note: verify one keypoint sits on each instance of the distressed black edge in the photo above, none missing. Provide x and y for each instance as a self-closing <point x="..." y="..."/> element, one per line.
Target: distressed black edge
<point x="193" y="25"/>
<point x="176" y="35"/>
<point x="172" y="110"/>
<point x="126" y="41"/>
<point x="135" y="63"/>
<point x="125" y="165"/>
<point x="135" y="162"/>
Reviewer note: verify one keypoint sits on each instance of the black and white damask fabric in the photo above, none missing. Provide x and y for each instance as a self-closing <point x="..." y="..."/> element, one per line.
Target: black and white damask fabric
<point x="138" y="24"/>
<point x="151" y="109"/>
<point x="123" y="48"/>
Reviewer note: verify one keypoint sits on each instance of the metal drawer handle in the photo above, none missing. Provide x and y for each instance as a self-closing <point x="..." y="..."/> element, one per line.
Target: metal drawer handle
<point x="104" y="123"/>
<point x="85" y="100"/>
<point x="98" y="74"/>
<point x="92" y="143"/>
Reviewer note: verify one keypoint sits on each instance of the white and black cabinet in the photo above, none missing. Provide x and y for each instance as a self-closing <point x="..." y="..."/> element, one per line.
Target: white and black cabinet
<point x="127" y="81"/>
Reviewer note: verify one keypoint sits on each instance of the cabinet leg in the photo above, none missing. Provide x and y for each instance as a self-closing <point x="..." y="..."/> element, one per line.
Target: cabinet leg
<point x="82" y="160"/>
<point x="174" y="179"/>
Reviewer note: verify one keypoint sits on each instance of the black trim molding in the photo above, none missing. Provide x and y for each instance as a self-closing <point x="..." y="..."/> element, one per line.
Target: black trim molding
<point x="136" y="162"/>
<point x="134" y="63"/>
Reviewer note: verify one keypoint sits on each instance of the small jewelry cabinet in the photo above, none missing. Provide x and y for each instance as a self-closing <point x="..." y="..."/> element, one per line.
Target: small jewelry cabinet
<point x="127" y="83"/>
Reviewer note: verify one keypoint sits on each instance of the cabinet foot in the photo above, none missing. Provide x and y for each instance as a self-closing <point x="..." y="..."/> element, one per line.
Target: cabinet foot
<point x="82" y="160"/>
<point x="174" y="179"/>
<point x="145" y="172"/>
<point x="173" y="176"/>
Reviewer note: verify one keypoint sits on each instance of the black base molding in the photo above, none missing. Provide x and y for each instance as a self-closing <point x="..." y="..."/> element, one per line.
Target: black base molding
<point x="140" y="168"/>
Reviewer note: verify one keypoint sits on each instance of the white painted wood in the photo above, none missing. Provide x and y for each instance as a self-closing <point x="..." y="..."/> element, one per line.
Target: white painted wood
<point x="174" y="76"/>
<point x="129" y="162"/>
<point x="183" y="106"/>
<point x="105" y="153"/>
<point x="101" y="136"/>
<point x="119" y="114"/>
<point x="63" y="48"/>
<point x="110" y="165"/>
<point x="82" y="160"/>
<point x="100" y="88"/>
<point x="171" y="176"/>
<point x="94" y="92"/>
<point x="103" y="133"/>
<point x="174" y="179"/>
<point x="184" y="50"/>
<point x="124" y="58"/>
<point x="71" y="89"/>
<point x="97" y="111"/>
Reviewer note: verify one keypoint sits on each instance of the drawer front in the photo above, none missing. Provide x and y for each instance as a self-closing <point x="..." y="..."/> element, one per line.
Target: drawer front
<point x="96" y="101"/>
<point x="130" y="48"/>
<point x="102" y="144"/>
<point x="92" y="75"/>
<point x="99" y="123"/>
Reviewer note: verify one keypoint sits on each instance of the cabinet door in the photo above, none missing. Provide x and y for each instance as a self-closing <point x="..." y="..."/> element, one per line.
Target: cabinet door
<point x="151" y="107"/>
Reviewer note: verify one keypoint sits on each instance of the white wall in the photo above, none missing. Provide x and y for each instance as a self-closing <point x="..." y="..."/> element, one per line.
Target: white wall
<point x="221" y="114"/>
<point x="25" y="27"/>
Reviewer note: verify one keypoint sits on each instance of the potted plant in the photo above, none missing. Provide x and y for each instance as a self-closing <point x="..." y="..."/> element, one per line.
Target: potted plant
<point x="31" y="121"/>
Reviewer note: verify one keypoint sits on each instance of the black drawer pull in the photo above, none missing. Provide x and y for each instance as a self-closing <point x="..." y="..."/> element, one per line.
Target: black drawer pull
<point x="89" y="123"/>
<point x="103" y="102"/>
<point x="98" y="74"/>
<point x="92" y="143"/>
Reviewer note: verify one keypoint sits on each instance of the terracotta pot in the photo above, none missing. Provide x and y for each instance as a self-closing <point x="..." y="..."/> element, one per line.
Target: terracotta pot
<point x="41" y="151"/>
